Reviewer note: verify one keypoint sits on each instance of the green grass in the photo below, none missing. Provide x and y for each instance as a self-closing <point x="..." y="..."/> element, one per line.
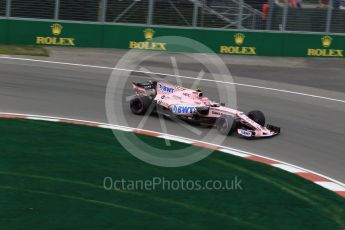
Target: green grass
<point x="51" y="177"/>
<point x="24" y="50"/>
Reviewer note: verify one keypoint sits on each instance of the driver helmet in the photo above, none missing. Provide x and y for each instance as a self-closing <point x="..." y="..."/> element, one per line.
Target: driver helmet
<point x="205" y="100"/>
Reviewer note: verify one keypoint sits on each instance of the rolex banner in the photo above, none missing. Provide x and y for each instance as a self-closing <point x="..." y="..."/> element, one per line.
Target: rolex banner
<point x="144" y="37"/>
<point x="225" y="42"/>
<point x="229" y="42"/>
<point x="312" y="45"/>
<point x="54" y="33"/>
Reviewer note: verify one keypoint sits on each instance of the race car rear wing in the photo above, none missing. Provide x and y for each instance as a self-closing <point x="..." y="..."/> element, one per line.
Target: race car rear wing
<point x="146" y="85"/>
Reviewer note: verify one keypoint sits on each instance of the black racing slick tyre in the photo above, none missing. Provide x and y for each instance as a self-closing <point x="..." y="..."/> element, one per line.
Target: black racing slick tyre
<point x="257" y="116"/>
<point x="140" y="104"/>
<point x="226" y="125"/>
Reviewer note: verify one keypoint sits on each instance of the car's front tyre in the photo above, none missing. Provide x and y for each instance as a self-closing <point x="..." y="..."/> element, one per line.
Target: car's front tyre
<point x="257" y="116"/>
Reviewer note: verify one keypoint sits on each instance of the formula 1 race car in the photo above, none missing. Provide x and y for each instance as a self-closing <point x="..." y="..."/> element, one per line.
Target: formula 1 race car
<point x="190" y="105"/>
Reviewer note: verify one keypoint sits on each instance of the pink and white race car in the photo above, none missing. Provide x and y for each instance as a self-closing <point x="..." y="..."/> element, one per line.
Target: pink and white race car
<point x="190" y="105"/>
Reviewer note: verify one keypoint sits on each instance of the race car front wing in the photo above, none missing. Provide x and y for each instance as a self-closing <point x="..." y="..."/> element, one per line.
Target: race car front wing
<point x="252" y="134"/>
<point x="273" y="128"/>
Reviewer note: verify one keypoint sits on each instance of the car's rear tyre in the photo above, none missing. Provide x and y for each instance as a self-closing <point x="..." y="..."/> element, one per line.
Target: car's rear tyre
<point x="226" y="125"/>
<point x="257" y="116"/>
<point x="140" y="104"/>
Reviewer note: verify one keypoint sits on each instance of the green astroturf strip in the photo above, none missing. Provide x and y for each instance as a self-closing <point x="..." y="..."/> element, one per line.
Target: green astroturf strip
<point x="51" y="177"/>
<point x="24" y="50"/>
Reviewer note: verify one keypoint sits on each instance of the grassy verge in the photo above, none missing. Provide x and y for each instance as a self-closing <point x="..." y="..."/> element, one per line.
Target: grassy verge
<point x="52" y="174"/>
<point x="23" y="50"/>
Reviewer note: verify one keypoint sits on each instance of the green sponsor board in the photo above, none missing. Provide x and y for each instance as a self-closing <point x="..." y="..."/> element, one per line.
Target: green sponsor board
<point x="227" y="42"/>
<point x="241" y="43"/>
<point x="313" y="45"/>
<point x="3" y="31"/>
<point x="143" y="38"/>
<point x="54" y="33"/>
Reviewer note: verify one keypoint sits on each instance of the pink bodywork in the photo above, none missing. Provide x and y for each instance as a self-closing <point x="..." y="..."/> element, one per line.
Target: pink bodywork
<point x="183" y="101"/>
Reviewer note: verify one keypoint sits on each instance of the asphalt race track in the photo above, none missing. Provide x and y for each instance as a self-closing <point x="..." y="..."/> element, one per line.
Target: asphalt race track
<point x="313" y="129"/>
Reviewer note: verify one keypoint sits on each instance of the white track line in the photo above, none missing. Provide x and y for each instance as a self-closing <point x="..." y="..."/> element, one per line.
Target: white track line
<point x="288" y="168"/>
<point x="331" y="184"/>
<point x="175" y="76"/>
